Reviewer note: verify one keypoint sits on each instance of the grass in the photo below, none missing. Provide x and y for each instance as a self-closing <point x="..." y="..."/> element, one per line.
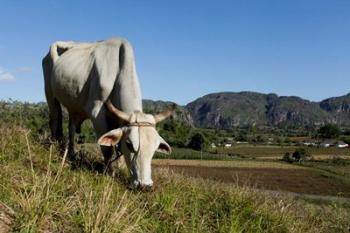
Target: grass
<point x="48" y="195"/>
<point x="336" y="165"/>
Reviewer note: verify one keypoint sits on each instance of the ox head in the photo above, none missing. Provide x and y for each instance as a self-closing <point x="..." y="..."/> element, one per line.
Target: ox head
<point x="137" y="141"/>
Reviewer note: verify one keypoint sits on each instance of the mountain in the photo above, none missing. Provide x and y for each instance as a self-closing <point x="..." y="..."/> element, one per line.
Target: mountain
<point x="181" y="114"/>
<point x="228" y="109"/>
<point x="225" y="110"/>
<point x="339" y="104"/>
<point x="339" y="108"/>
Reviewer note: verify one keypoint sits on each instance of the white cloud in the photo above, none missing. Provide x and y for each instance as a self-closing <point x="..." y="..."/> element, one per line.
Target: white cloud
<point x="6" y="75"/>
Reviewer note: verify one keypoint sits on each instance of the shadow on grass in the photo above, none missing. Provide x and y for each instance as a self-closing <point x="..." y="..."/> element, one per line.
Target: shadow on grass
<point x="85" y="160"/>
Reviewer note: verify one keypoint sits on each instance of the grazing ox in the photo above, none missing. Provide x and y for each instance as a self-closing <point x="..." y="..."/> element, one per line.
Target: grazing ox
<point x="98" y="81"/>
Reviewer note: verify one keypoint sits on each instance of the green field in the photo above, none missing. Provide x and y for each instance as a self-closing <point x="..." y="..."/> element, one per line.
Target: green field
<point x="258" y="151"/>
<point x="261" y="152"/>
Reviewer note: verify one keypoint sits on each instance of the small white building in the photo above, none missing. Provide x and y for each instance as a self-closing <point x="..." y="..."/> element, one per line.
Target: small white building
<point x="310" y="142"/>
<point x="241" y="142"/>
<point x="326" y="144"/>
<point x="341" y="144"/>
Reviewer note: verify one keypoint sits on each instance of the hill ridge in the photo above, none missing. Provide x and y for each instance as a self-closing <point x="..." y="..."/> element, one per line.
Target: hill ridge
<point x="248" y="108"/>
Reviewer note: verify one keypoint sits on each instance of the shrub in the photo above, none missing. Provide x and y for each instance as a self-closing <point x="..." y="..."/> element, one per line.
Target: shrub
<point x="197" y="142"/>
<point x="301" y="154"/>
<point x="287" y="158"/>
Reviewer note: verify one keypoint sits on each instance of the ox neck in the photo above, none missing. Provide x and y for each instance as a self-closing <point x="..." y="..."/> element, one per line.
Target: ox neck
<point x="128" y="105"/>
<point x="128" y="98"/>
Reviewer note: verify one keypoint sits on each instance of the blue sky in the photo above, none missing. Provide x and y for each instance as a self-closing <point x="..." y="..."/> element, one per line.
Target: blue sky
<point x="186" y="49"/>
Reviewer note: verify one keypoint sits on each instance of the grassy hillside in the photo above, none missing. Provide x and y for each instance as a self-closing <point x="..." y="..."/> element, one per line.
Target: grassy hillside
<point x="47" y="195"/>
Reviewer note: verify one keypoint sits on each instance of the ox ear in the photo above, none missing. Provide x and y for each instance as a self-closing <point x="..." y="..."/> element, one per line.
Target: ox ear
<point x="163" y="146"/>
<point x="110" y="138"/>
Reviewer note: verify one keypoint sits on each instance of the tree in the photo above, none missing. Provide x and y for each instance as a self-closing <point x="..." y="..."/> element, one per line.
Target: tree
<point x="329" y="131"/>
<point x="242" y="136"/>
<point x="286" y="157"/>
<point x="259" y="139"/>
<point x="347" y="132"/>
<point x="301" y="154"/>
<point x="175" y="132"/>
<point x="197" y="141"/>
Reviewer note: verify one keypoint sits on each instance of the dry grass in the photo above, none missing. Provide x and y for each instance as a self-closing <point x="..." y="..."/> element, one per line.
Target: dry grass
<point x="47" y="195"/>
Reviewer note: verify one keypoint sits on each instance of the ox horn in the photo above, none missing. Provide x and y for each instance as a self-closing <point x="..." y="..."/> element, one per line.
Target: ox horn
<point x="163" y="115"/>
<point x="120" y="114"/>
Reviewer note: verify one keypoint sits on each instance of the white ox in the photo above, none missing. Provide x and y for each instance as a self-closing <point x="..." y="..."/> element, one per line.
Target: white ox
<point x="98" y="81"/>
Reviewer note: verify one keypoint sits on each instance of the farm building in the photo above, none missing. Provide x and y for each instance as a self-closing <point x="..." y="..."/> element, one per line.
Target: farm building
<point x="326" y="143"/>
<point x="310" y="142"/>
<point x="341" y="144"/>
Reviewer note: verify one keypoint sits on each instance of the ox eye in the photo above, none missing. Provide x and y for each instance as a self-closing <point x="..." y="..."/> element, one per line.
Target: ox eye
<point x="129" y="145"/>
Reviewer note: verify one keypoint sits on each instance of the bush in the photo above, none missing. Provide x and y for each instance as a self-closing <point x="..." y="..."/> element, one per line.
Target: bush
<point x="301" y="154"/>
<point x="197" y="142"/>
<point x="287" y="158"/>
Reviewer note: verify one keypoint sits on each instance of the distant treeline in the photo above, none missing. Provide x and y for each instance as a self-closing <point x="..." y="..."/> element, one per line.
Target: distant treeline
<point x="176" y="131"/>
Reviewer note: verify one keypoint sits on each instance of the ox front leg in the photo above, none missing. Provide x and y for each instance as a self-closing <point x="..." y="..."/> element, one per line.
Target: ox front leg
<point x="107" y="152"/>
<point x="100" y="121"/>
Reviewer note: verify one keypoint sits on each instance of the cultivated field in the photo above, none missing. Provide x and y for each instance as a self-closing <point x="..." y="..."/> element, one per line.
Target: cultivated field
<point x="266" y="175"/>
<point x="40" y="192"/>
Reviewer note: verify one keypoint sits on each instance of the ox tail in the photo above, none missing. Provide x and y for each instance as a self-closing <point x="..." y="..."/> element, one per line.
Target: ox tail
<point x="58" y="48"/>
<point x="53" y="52"/>
<point x="55" y="109"/>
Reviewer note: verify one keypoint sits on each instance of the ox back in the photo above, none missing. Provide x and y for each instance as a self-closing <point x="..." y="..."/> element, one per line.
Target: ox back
<point x="82" y="76"/>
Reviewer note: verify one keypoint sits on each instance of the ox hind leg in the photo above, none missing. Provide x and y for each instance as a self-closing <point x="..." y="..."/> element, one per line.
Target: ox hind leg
<point x="55" y="121"/>
<point x="55" y="109"/>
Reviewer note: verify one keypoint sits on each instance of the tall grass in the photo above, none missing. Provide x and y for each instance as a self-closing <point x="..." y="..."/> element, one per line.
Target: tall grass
<point x="47" y="195"/>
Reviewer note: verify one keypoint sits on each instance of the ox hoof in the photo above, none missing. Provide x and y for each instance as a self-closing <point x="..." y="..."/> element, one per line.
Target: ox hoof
<point x="146" y="188"/>
<point x="142" y="187"/>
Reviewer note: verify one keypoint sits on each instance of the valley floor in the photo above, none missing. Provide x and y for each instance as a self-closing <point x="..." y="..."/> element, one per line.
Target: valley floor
<point x="262" y="175"/>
